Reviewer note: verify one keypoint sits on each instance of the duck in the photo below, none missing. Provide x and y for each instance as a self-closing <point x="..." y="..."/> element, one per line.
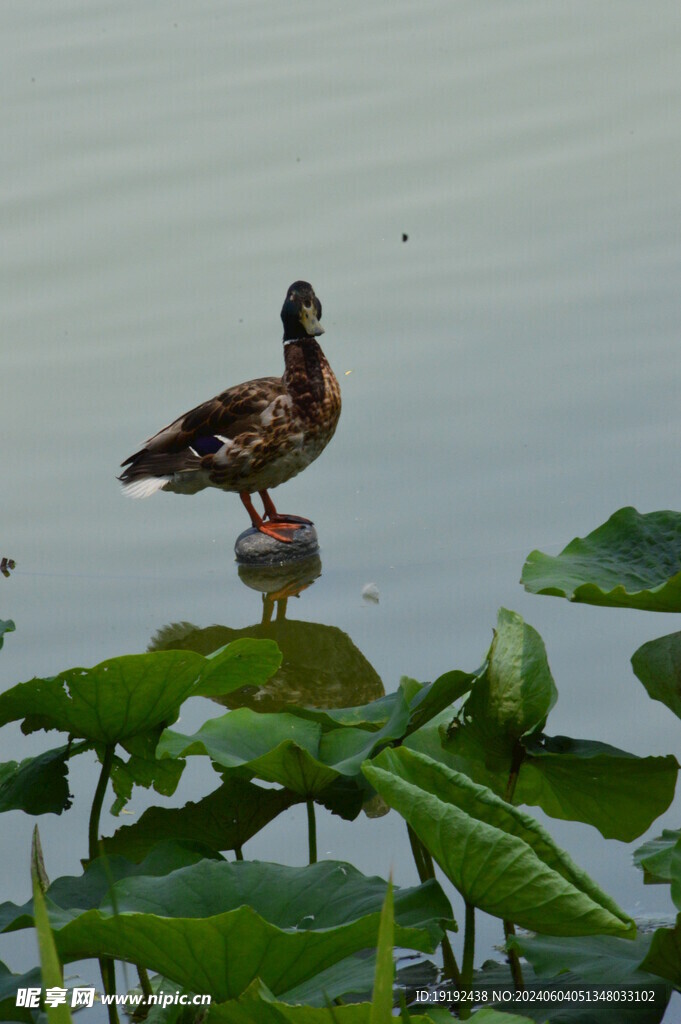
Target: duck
<point x="254" y="436"/>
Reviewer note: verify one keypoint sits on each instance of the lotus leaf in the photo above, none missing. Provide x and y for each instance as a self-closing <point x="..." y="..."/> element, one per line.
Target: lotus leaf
<point x="631" y="561"/>
<point x="655" y="857"/>
<point x="514" y="694"/>
<point x="664" y="955"/>
<point x="557" y="774"/>
<point x="284" y="748"/>
<point x="6" y="626"/>
<point x="9" y="986"/>
<point x="658" y="665"/>
<point x="257" y="1004"/>
<point x="224" y="820"/>
<point x="193" y="921"/>
<point x="38" y="785"/>
<point x="121" y="697"/>
<point x="498" y="857"/>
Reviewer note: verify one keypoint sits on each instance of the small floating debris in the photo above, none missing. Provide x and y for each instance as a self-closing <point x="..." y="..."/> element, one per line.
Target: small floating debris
<point x="370" y="593"/>
<point x="405" y="236"/>
<point x="6" y="565"/>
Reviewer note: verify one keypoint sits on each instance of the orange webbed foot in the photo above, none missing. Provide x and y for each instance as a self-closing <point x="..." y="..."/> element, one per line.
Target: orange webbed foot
<point x="282" y="518"/>
<point x="277" y="531"/>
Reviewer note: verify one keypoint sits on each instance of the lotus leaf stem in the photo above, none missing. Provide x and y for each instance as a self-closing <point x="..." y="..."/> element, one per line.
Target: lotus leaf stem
<point x="98" y="800"/>
<point x="509" y="928"/>
<point x="426" y="872"/>
<point x="311" y="832"/>
<point x="106" y="964"/>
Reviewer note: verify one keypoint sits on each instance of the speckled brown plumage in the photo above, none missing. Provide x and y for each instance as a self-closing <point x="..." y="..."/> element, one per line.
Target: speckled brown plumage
<point x="256" y="435"/>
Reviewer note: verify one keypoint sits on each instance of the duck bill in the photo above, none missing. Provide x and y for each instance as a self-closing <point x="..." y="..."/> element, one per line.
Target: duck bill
<point x="308" y="319"/>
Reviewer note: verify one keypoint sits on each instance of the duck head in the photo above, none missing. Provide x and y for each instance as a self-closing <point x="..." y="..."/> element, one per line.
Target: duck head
<point x="301" y="312"/>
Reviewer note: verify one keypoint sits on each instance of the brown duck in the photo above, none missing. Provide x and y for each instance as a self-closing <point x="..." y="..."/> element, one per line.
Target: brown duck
<point x="254" y="436"/>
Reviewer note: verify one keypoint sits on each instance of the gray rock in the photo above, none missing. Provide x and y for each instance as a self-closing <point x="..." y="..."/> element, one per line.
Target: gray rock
<point x="255" y="548"/>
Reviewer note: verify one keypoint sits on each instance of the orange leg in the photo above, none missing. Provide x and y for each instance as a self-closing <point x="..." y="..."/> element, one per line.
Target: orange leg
<point x="275" y="530"/>
<point x="288" y="522"/>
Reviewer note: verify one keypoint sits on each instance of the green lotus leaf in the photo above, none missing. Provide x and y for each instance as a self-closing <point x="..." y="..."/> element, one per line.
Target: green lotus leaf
<point x="370" y="717"/>
<point x="352" y="977"/>
<point x="283" y="748"/>
<point x="6" y="626"/>
<point x="655" y="857"/>
<point x="675" y="865"/>
<point x="462" y="748"/>
<point x="346" y="797"/>
<point x="557" y="1004"/>
<point x="171" y="1014"/>
<point x="319" y="896"/>
<point x="596" y="959"/>
<point x="143" y="768"/>
<point x="433" y="698"/>
<point x="489" y="1016"/>
<point x="341" y="981"/>
<point x="243" y="662"/>
<point x="514" y="694"/>
<point x="498" y="857"/>
<point x="274" y="747"/>
<point x="118" y="698"/>
<point x="71" y="894"/>
<point x="257" y="1005"/>
<point x="109" y="702"/>
<point x="225" y="820"/>
<point x="193" y="921"/>
<point x="418" y="703"/>
<point x="557" y="775"/>
<point x="38" y="785"/>
<point x="664" y="955"/>
<point x="438" y="1015"/>
<point x="631" y="561"/>
<point x="658" y="665"/>
<point x="347" y="748"/>
<point x="9" y="986"/>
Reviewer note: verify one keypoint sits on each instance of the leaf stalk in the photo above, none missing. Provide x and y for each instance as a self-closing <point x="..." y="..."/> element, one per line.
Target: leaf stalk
<point x="311" y="832"/>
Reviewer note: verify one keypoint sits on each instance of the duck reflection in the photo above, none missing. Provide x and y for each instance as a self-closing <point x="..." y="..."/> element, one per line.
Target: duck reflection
<point x="321" y="667"/>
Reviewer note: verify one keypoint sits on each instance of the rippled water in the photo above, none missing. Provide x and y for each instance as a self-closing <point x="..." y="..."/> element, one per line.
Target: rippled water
<point x="509" y="372"/>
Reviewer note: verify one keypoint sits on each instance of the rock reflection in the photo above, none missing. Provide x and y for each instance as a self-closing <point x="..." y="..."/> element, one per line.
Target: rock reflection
<point x="321" y="666"/>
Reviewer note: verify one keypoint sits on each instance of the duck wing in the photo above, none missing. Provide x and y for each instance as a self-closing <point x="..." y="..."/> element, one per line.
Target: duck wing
<point x="237" y="410"/>
<point x="181" y="446"/>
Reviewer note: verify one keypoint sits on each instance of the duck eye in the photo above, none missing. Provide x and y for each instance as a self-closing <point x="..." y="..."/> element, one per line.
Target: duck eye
<point x="308" y="305"/>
